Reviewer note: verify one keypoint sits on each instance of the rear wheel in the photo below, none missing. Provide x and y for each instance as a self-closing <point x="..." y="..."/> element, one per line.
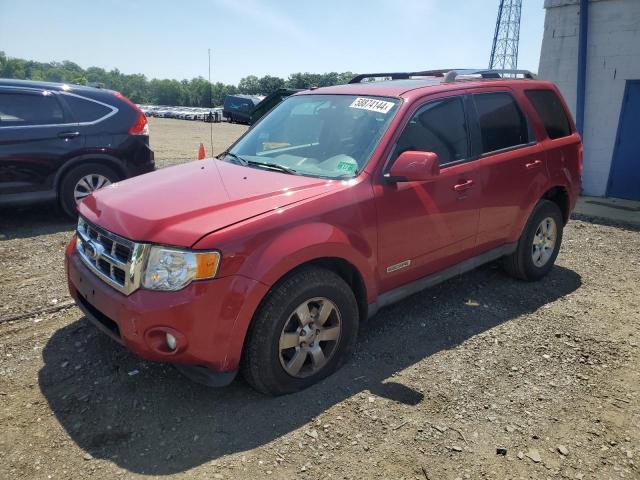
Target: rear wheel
<point x="304" y="331"/>
<point x="79" y="182"/>
<point x="539" y="243"/>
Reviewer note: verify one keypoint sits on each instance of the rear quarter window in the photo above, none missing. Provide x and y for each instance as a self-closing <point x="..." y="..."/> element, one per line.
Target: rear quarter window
<point x="84" y="110"/>
<point x="502" y="123"/>
<point x="549" y="109"/>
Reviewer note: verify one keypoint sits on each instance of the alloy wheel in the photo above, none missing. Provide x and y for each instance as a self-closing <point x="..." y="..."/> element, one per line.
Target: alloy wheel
<point x="544" y="242"/>
<point x="310" y="337"/>
<point x="87" y="184"/>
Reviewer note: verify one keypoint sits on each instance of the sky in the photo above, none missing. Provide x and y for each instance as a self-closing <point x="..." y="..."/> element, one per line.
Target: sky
<point x="170" y="38"/>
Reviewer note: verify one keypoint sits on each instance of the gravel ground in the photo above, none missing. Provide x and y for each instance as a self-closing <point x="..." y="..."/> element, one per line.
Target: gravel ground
<point x="480" y="377"/>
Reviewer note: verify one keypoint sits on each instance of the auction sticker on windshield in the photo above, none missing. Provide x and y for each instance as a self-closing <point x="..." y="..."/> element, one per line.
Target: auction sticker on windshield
<point x="372" y="104"/>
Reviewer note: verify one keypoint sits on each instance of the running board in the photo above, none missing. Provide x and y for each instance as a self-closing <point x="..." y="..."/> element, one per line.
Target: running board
<point x="397" y="294"/>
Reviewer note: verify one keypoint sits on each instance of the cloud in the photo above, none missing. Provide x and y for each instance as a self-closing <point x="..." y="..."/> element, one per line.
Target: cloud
<point x="263" y="14"/>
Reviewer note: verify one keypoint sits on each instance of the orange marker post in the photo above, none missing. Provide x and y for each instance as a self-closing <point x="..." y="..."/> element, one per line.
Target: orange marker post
<point x="201" y="152"/>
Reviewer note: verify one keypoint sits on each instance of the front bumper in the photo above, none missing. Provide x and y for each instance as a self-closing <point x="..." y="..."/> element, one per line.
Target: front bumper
<point x="209" y="318"/>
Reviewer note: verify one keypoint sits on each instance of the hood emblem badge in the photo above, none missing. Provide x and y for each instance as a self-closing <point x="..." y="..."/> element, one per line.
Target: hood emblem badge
<point x="93" y="250"/>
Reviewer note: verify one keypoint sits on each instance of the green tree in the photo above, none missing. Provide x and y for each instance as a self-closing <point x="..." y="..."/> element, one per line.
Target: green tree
<point x="13" y="68"/>
<point x="194" y="92"/>
<point x="269" y="84"/>
<point x="249" y="85"/>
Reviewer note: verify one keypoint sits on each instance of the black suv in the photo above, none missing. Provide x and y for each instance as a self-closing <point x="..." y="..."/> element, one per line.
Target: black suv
<point x="60" y="141"/>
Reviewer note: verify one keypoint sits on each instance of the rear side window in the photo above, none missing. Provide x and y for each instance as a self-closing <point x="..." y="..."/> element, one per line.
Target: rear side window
<point x="86" y="110"/>
<point x="550" y="110"/>
<point x="24" y="109"/>
<point x="502" y="123"/>
<point x="440" y="127"/>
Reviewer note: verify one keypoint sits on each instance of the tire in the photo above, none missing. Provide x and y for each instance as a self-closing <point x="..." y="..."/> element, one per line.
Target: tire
<point x="231" y="119"/>
<point x="66" y="191"/>
<point x="528" y="262"/>
<point x="269" y="365"/>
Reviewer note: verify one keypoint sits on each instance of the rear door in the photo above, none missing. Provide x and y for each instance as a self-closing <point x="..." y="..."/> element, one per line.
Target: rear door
<point x="559" y="139"/>
<point x="36" y="133"/>
<point x="512" y="162"/>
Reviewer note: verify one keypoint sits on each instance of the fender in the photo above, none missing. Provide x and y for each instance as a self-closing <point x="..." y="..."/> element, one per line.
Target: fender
<point x="103" y="158"/>
<point x="536" y="191"/>
<point x="287" y="251"/>
<point x="304" y="243"/>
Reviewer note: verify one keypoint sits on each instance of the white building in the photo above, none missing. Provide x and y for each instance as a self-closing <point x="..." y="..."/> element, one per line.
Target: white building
<point x="611" y="132"/>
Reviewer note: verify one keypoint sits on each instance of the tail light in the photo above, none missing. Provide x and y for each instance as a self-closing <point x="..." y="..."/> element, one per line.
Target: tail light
<point x="140" y="126"/>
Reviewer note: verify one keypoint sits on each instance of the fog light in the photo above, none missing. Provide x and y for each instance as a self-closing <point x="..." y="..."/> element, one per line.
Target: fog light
<point x="171" y="342"/>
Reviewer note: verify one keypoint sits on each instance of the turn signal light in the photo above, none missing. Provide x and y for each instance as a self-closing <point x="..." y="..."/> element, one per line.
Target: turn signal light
<point x="207" y="264"/>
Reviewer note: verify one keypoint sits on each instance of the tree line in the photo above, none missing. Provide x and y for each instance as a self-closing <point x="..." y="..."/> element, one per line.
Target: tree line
<point x="192" y="93"/>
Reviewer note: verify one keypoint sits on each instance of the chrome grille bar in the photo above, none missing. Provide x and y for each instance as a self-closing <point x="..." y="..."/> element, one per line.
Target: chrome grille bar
<point x="114" y="259"/>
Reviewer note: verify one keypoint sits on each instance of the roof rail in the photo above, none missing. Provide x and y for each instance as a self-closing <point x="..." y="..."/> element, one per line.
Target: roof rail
<point x="449" y="73"/>
<point x="400" y="75"/>
<point x="496" y="73"/>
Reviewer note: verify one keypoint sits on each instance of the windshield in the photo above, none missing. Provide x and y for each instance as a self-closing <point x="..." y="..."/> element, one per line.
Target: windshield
<point x="318" y="135"/>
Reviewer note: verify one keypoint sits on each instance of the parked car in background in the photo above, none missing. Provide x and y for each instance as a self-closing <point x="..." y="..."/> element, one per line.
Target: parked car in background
<point x="341" y="200"/>
<point x="238" y="108"/>
<point x="62" y="142"/>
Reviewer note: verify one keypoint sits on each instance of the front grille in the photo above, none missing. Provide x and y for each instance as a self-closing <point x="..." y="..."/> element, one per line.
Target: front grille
<point x="114" y="259"/>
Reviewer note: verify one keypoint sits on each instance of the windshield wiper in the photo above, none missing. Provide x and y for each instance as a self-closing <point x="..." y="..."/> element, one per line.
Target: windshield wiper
<point x="273" y="166"/>
<point x="243" y="161"/>
<point x="254" y="163"/>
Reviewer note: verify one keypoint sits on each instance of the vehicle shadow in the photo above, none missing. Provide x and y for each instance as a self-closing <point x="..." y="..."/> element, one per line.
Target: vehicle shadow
<point x="147" y="418"/>
<point x="31" y="221"/>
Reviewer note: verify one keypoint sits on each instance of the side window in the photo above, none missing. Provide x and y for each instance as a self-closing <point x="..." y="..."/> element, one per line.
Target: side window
<point x="549" y="108"/>
<point x="440" y="127"/>
<point x="86" y="110"/>
<point x="502" y="123"/>
<point x="23" y="109"/>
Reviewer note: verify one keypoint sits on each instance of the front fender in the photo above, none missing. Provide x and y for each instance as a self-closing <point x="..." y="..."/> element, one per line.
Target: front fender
<point x="266" y="259"/>
<point x="304" y="243"/>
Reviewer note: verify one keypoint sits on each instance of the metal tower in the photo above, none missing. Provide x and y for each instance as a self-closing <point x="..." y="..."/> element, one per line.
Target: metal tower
<point x="504" y="52"/>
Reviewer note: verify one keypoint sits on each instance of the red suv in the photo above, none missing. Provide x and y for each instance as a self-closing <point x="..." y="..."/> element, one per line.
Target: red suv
<point x="338" y="202"/>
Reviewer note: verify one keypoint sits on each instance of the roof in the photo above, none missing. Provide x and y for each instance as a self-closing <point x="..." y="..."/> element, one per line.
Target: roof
<point x="10" y="82"/>
<point x="411" y="87"/>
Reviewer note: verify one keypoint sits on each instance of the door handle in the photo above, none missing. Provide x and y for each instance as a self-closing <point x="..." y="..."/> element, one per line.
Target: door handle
<point x="68" y="134"/>
<point x="463" y="186"/>
<point x="534" y="164"/>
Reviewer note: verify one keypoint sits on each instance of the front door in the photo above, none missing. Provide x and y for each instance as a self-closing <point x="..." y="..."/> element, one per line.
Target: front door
<point x="427" y="226"/>
<point x="624" y="179"/>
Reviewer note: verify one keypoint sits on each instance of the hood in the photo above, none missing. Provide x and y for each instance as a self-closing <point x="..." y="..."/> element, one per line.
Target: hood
<point x="178" y="205"/>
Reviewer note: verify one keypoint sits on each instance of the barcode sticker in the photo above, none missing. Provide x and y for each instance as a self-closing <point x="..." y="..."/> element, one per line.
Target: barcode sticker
<point x="372" y="104"/>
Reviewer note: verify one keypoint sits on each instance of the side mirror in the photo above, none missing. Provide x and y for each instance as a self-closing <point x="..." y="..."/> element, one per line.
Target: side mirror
<point x="414" y="166"/>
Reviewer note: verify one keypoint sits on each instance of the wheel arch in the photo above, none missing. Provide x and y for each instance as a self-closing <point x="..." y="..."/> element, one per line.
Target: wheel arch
<point x="99" y="158"/>
<point x="560" y="196"/>
<point x="345" y="270"/>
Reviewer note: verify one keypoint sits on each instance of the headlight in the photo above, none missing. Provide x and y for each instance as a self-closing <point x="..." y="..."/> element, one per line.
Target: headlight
<point x="170" y="269"/>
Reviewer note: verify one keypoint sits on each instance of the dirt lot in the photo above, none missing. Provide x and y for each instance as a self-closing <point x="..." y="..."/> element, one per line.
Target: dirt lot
<point x="548" y="371"/>
<point x="176" y="141"/>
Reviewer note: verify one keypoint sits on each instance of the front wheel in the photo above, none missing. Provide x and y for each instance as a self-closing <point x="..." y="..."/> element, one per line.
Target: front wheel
<point x="304" y="331"/>
<point x="539" y="243"/>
